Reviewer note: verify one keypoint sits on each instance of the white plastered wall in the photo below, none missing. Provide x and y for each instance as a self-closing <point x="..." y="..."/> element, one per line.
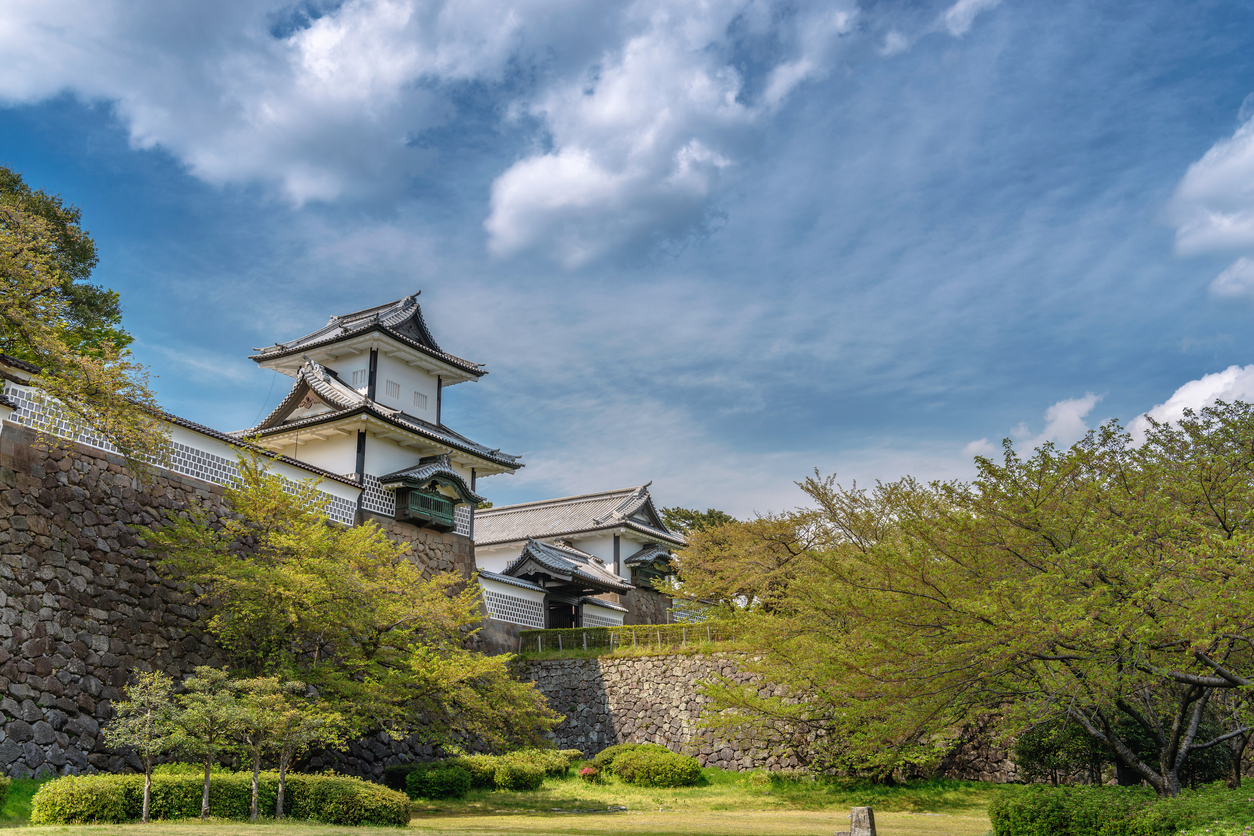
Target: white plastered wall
<point x="410" y="380"/>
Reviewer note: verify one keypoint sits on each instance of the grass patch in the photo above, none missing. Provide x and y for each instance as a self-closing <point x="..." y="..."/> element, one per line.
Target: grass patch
<point x="722" y="791"/>
<point x="16" y="810"/>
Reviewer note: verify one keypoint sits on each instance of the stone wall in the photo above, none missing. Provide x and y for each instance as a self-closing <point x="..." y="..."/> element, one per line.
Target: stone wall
<point x="81" y="608"/>
<point x="642" y="699"/>
<point x="435" y="552"/>
<point x="657" y="699"/>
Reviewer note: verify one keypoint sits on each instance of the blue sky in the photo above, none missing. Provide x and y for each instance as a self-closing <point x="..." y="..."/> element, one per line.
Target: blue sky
<point x="714" y="245"/>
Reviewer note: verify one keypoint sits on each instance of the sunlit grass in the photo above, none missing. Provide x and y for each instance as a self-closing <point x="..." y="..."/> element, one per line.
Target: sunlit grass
<point x="16" y="811"/>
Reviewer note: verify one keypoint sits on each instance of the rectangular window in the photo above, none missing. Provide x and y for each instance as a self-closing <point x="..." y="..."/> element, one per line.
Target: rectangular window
<point x="393" y="389"/>
<point x="361" y="378"/>
<point x="420" y="400"/>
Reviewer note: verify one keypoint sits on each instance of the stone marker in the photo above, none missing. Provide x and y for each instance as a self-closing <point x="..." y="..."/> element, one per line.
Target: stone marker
<point x="861" y="823"/>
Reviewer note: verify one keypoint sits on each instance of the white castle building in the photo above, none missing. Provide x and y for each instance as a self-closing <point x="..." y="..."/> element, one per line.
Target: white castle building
<point x="365" y="415"/>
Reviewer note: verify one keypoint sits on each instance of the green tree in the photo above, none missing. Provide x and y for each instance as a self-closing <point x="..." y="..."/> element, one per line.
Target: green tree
<point x="144" y="722"/>
<point x="1108" y="582"/>
<point x="302" y="725"/>
<point x="208" y="721"/>
<point x="70" y="330"/>
<point x="686" y="521"/>
<point x="287" y="593"/>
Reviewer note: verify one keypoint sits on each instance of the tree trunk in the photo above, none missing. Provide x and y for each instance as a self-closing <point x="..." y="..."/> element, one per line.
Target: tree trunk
<point x="204" y="796"/>
<point x="147" y="791"/>
<point x="256" y="775"/>
<point x="1238" y="755"/>
<point x="278" y="802"/>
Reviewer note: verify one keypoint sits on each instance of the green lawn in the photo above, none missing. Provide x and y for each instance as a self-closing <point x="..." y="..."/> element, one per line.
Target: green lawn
<point x="723" y="803"/>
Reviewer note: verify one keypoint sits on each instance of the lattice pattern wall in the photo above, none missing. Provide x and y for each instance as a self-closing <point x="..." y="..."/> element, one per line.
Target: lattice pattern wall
<point x="374" y="497"/>
<point x="462" y="514"/>
<point x="513" y="609"/>
<point x="591" y="619"/>
<point x="184" y="459"/>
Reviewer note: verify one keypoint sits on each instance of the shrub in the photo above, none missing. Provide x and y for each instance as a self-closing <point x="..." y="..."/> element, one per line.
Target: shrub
<point x="573" y="756"/>
<point x="605" y="758"/>
<point x="394" y="776"/>
<point x="183" y="768"/>
<point x="518" y="775"/>
<point x="438" y="780"/>
<point x="591" y="774"/>
<point x="79" y="799"/>
<point x="1114" y="811"/>
<point x="553" y="762"/>
<point x="331" y="799"/>
<point x="482" y="769"/>
<point x="651" y="768"/>
<point x="5" y="785"/>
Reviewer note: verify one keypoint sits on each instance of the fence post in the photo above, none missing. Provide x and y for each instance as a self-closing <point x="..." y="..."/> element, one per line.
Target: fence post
<point x="539" y="644"/>
<point x="659" y="639"/>
<point x="633" y="638"/>
<point x="585" y="639"/>
<point x="684" y="636"/>
<point x="559" y="642"/>
<point x="707" y="633"/>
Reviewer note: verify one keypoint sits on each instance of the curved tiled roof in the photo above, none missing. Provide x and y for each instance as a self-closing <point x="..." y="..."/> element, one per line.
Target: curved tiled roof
<point x="597" y="602"/>
<point x="569" y="564"/>
<point x="572" y="515"/>
<point x="506" y="579"/>
<point x="427" y="470"/>
<point x="346" y="401"/>
<point x="649" y="554"/>
<point x="401" y="320"/>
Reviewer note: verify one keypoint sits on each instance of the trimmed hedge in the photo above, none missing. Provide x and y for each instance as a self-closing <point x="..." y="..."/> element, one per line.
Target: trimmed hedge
<point x="438" y="780"/>
<point x="111" y="799"/>
<point x="518" y="775"/>
<point x="552" y="762"/>
<point x="651" y="768"/>
<point x="1115" y="811"/>
<point x="605" y="758"/>
<point x="6" y="784"/>
<point x="573" y="756"/>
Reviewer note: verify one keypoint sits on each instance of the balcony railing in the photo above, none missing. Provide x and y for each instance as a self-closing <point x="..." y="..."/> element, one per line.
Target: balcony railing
<point x="430" y="509"/>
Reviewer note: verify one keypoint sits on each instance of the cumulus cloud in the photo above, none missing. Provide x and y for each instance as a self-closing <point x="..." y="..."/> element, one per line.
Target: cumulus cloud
<point x="638" y="146"/>
<point x="979" y="447"/>
<point x="1235" y="383"/>
<point x="1213" y="206"/>
<point x="1064" y="423"/>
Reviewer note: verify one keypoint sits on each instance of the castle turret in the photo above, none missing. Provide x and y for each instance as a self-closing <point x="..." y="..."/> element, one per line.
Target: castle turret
<point x="367" y="402"/>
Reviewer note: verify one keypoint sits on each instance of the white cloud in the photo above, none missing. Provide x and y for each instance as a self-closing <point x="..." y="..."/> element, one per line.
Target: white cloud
<point x="1235" y="383"/>
<point x="1213" y="206"/>
<point x="1064" y="423"/>
<point x="1235" y="282"/>
<point x="639" y="146"/>
<point x="979" y="447"/>
<point x="641" y="98"/>
<point x="958" y="18"/>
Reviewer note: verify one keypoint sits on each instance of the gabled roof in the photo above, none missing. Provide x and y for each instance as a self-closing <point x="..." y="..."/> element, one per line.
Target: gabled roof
<point x="313" y="379"/>
<point x="431" y="467"/>
<point x="566" y="564"/>
<point x="649" y="554"/>
<point x="630" y="508"/>
<point x="401" y="320"/>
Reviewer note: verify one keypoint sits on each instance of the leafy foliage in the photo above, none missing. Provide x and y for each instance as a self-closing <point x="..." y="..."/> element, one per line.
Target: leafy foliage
<point x="687" y="521"/>
<point x="443" y="780"/>
<point x="1114" y="811"/>
<point x="290" y="594"/>
<point x="144" y="723"/>
<point x="651" y="768"/>
<point x="518" y="775"/>
<point x="605" y="758"/>
<point x="1107" y="582"/>
<point x="52" y="318"/>
<point x="332" y="799"/>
